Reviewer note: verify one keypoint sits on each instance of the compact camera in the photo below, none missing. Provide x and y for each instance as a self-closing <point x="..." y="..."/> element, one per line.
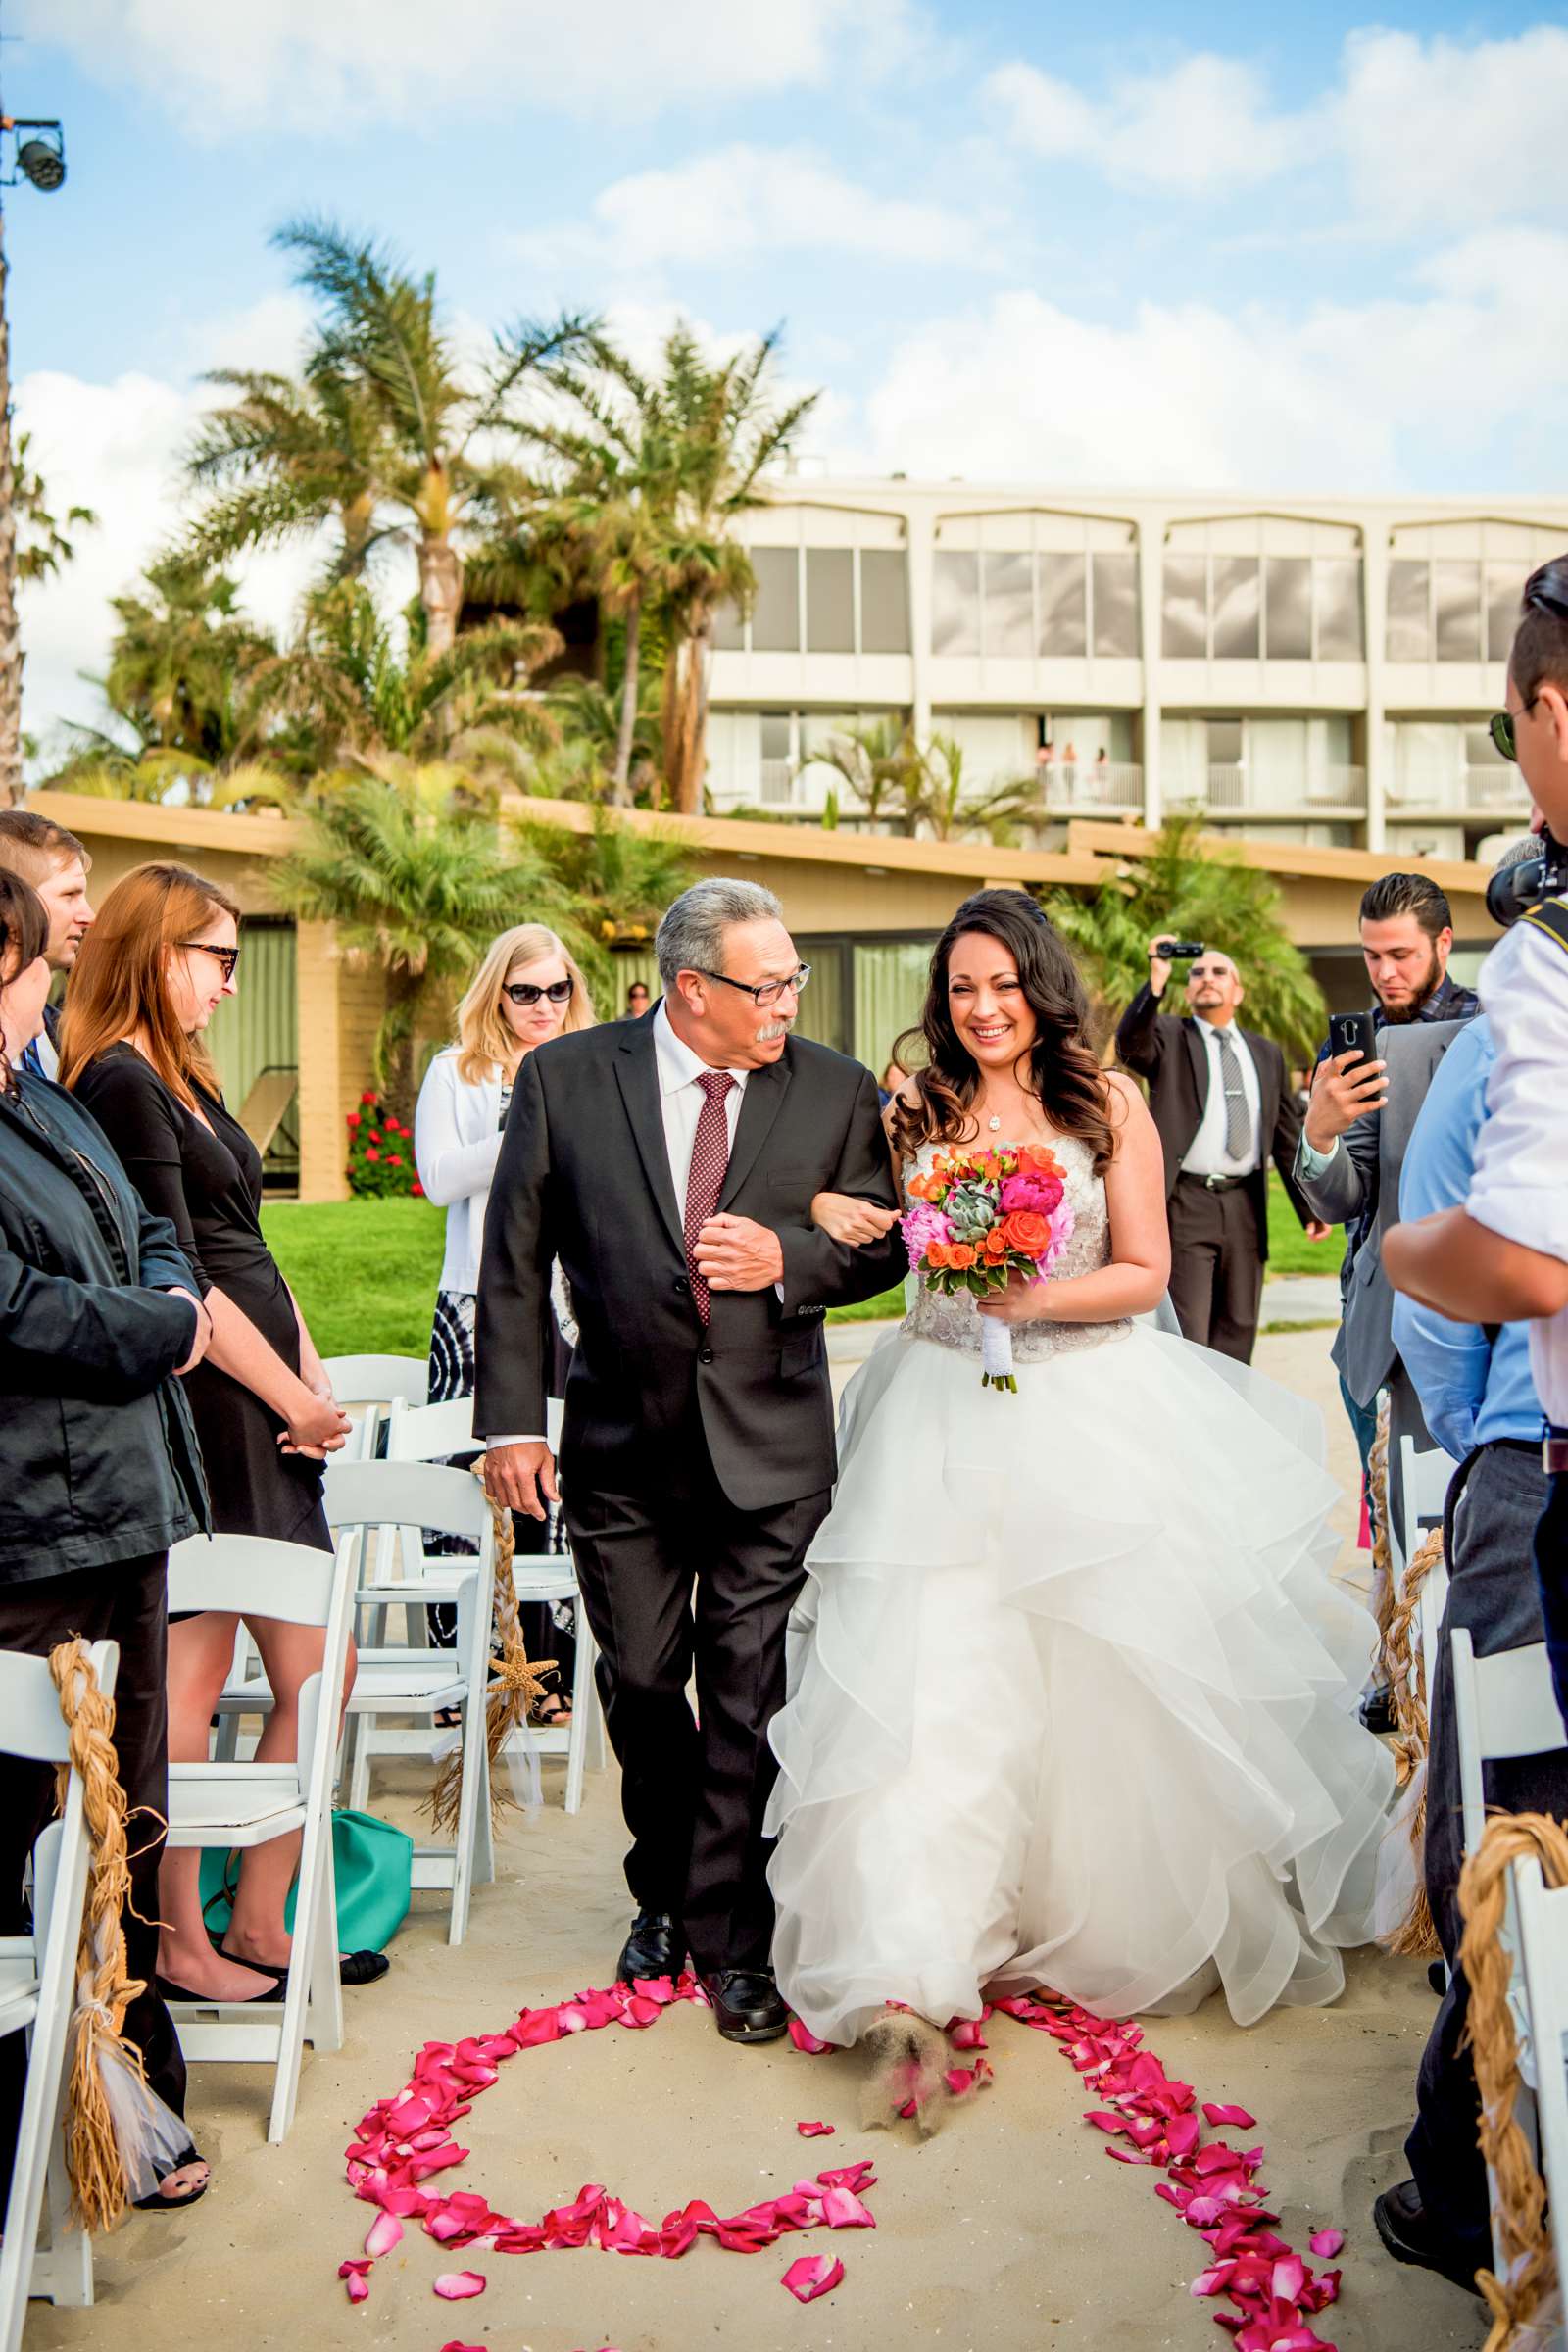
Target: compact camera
<point x="1514" y="889"/>
<point x="1180" y="950"/>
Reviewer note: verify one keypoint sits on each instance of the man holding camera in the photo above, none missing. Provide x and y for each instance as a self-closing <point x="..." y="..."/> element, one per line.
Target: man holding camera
<point x="1503" y="1257"/>
<point x="1221" y="1099"/>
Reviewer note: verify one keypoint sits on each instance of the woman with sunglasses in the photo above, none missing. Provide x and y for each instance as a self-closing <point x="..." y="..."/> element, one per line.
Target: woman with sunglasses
<point x="131" y="1051"/>
<point x="525" y="992"/>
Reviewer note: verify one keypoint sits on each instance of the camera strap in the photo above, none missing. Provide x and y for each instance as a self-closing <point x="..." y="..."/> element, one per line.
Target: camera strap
<point x="1553" y="918"/>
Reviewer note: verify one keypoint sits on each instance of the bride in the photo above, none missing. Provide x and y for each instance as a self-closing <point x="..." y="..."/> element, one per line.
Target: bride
<point x="1072" y="1691"/>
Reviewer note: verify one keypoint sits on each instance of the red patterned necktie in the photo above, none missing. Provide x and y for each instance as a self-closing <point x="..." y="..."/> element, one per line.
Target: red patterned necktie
<point x="706" y="1181"/>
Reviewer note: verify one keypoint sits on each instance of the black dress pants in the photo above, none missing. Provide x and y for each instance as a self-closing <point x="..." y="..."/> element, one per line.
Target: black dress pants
<point x="1492" y="1509"/>
<point x="1216" y="1267"/>
<point x="671" y="1580"/>
<point x="125" y="1602"/>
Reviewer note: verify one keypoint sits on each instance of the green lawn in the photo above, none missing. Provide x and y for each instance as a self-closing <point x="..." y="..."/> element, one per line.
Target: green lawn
<point x="365" y="1271"/>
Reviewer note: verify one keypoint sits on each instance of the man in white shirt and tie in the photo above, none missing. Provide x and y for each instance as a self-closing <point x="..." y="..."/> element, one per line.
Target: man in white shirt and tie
<point x="1221" y="1099"/>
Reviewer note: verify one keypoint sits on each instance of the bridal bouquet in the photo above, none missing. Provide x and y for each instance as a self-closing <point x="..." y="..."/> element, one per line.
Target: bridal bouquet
<point x="978" y="1219"/>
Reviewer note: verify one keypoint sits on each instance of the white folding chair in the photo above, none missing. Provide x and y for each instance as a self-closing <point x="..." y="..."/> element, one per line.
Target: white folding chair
<point x="416" y="1434"/>
<point x="377" y="1501"/>
<point x="1541" y="1914"/>
<point x="227" y="1804"/>
<point x="377" y="1379"/>
<point x="38" y="1993"/>
<point x="1424" y="1480"/>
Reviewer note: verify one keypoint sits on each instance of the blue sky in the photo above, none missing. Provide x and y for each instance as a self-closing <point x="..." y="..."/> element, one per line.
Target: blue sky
<point x="1112" y="245"/>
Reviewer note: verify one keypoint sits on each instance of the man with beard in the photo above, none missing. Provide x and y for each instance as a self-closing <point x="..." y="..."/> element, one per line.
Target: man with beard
<point x="55" y="865"/>
<point x="1348" y="1163"/>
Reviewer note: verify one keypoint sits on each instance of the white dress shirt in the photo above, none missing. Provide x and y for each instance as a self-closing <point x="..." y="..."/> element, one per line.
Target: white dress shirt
<point x="1519" y="1189"/>
<point x="680" y="1105"/>
<point x="1206" y="1154"/>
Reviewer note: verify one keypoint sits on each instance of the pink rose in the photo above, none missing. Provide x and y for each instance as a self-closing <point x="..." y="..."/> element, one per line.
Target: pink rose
<point x="1029" y="1189"/>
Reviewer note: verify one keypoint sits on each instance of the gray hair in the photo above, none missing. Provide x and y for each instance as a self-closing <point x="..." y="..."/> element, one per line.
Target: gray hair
<point x="691" y="937"/>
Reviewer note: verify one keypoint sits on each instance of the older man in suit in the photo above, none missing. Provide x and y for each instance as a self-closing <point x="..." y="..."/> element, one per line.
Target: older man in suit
<point x="1221" y="1099"/>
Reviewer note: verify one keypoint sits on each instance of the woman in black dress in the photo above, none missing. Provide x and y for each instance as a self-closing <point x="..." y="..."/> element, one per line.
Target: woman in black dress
<point x="148" y="980"/>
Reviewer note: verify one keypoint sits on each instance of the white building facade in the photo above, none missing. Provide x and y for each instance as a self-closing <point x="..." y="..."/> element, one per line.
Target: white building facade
<point x="1303" y="669"/>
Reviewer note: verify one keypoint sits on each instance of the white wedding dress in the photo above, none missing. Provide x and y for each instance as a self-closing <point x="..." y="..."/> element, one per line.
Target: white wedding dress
<point x="1072" y="1691"/>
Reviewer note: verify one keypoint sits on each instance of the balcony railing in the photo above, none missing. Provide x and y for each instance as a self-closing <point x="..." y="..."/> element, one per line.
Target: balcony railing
<point x="1495" y="789"/>
<point x="1089" y="785"/>
<point x="1235" y="792"/>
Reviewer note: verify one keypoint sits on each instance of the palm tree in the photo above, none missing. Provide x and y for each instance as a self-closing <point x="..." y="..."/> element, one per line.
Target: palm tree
<point x="42" y="547"/>
<point x="343" y="692"/>
<point x="285" y="458"/>
<point x="411" y="872"/>
<point x="880" y="764"/>
<point x="424" y="423"/>
<point x="617" y="879"/>
<point x="1186" y="889"/>
<point x="940" y="799"/>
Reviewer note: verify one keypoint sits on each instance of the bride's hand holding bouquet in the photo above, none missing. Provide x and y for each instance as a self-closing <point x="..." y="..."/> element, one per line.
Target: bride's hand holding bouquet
<point x="992" y="1223"/>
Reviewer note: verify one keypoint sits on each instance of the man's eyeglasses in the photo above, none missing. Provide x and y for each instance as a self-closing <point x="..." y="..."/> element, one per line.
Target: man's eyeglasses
<point x="763" y="993"/>
<point x="228" y="958"/>
<point x="528" y="992"/>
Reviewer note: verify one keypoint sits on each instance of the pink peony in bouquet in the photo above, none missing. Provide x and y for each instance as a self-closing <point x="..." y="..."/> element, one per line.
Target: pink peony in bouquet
<point x="975" y="1219"/>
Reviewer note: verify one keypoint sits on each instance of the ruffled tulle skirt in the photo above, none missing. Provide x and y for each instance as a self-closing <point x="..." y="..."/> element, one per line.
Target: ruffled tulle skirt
<point x="1073" y="1696"/>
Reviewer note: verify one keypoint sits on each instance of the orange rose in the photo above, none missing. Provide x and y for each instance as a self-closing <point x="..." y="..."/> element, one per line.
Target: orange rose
<point x="1027" y="1232"/>
<point x="936" y="1254"/>
<point x="960" y="1257"/>
<point x="995" y="1243"/>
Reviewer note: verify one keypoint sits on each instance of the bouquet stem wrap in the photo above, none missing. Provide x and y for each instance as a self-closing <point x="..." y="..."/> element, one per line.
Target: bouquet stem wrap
<point x="995" y="1354"/>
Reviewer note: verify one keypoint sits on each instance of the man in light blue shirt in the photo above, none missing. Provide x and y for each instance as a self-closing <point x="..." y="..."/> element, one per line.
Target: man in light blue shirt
<point x="1480" y="1402"/>
<point x="1473" y="1388"/>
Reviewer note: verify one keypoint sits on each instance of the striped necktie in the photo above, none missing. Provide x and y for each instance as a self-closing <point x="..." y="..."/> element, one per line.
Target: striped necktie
<point x="1238" y="1122"/>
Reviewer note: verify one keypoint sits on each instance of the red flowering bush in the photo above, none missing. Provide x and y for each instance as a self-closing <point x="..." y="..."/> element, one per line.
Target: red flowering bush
<point x="380" y="1164"/>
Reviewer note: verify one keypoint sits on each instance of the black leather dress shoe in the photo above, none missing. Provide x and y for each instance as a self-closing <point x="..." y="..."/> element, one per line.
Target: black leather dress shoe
<point x="1403" y="2224"/>
<point x="654" y="1948"/>
<point x="746" y="2004"/>
<point x="1377" y="1710"/>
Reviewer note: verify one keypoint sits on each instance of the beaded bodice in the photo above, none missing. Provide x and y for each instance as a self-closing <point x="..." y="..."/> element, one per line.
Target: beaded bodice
<point x="955" y="1322"/>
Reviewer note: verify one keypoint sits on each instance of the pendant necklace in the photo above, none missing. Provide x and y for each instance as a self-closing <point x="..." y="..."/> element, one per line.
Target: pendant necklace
<point x="995" y="1125"/>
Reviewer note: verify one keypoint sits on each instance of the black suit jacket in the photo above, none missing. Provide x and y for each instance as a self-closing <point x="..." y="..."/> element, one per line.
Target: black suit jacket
<point x="1171" y="1055"/>
<point x="584" y="1177"/>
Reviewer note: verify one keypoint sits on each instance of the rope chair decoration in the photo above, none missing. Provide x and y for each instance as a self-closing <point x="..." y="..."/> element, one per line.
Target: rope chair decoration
<point x="1377" y="1495"/>
<point x="1416" y="1936"/>
<point x="516" y="1683"/>
<point x="1521" y="2208"/>
<point x="120" y="2137"/>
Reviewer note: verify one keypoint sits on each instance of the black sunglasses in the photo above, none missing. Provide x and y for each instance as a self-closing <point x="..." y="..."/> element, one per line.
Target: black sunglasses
<point x="528" y="992"/>
<point x="228" y="958"/>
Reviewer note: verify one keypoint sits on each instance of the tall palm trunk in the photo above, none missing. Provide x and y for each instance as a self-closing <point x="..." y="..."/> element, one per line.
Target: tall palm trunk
<point x="686" y="775"/>
<point x="672" y="715"/>
<point x="9" y="625"/>
<point x="440" y="592"/>
<point x="621" y="781"/>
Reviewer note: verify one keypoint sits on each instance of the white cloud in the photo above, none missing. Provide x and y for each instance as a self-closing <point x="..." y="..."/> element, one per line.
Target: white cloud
<point x="1206" y="127"/>
<point x="117" y="448"/>
<point x="1446" y="134"/>
<point x="739" y="202"/>
<point x="300" y="65"/>
<point x="1192" y="397"/>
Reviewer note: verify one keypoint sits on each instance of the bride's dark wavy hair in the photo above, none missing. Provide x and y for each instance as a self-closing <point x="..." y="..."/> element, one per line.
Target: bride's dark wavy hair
<point x="1063" y="1072"/>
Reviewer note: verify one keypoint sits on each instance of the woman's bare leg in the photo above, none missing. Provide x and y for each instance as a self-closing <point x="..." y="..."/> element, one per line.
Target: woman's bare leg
<point x="199" y="1653"/>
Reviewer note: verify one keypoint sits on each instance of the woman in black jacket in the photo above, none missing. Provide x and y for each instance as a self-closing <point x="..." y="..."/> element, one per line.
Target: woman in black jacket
<point x="98" y="1312"/>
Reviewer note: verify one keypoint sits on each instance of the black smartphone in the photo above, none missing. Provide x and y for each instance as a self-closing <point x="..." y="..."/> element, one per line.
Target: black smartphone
<point x="1354" y="1033"/>
<point x="1181" y="951"/>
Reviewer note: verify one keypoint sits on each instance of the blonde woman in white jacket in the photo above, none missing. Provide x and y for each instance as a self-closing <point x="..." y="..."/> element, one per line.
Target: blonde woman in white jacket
<point x="525" y="992"/>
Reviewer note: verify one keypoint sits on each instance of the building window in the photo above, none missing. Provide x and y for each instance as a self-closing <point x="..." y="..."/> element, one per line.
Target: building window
<point x="830" y="600"/>
<point x="954" y="602"/>
<point x="1409" y="636"/>
<point x="1117" y="636"/>
<point x="1288" y="595"/>
<point x="1456" y="609"/>
<point x="1503" y="596"/>
<point x="776" y="610"/>
<point x="1062" y="591"/>
<point x="1186" y="635"/>
<point x="1457" y="603"/>
<point x="1009" y="620"/>
<point x="1336" y="607"/>
<point x="884" y="601"/>
<point x="1235" y="606"/>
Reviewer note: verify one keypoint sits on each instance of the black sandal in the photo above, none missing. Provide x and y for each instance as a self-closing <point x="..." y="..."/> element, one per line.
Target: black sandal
<point x="363" y="1968"/>
<point x="168" y="1990"/>
<point x="159" y="2203"/>
<point x="550" y="1712"/>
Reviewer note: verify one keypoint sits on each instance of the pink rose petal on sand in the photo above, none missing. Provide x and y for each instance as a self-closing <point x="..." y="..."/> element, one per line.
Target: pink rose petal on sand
<point x="455" y="2286"/>
<point x="1229" y="2115"/>
<point x="966" y="2034"/>
<point x="358" y="2288"/>
<point x="811" y="2276"/>
<point x="385" y="2231"/>
<point x="816" y="2130"/>
<point x="806" y="2040"/>
<point x="841" y="2209"/>
<point x="1327" y="2243"/>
